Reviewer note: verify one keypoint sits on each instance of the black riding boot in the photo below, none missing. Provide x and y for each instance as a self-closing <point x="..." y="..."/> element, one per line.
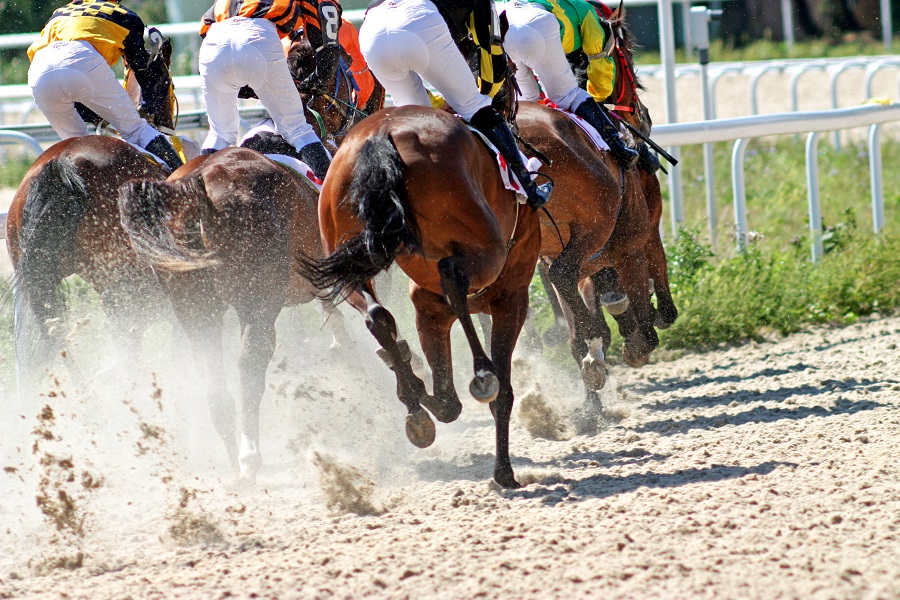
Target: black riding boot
<point x="163" y="148"/>
<point x="317" y="157"/>
<point x="649" y="162"/>
<point x="591" y="112"/>
<point x="489" y="122"/>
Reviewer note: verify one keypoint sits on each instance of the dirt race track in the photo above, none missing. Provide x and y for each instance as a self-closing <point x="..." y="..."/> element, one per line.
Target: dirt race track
<point x="770" y="470"/>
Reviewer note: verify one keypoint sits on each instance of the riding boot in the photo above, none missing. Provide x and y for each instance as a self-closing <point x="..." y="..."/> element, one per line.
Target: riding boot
<point x="648" y="162"/>
<point x="495" y="128"/>
<point x="591" y="112"/>
<point x="163" y="148"/>
<point x="316" y="156"/>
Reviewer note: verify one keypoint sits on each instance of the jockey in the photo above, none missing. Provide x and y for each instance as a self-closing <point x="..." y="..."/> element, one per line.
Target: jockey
<point x="406" y="40"/>
<point x="242" y="46"/>
<point x="71" y="63"/>
<point x="536" y="28"/>
<point x="349" y="40"/>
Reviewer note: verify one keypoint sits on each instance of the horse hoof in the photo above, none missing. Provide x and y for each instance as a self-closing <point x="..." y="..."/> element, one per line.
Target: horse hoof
<point x="420" y="429"/>
<point x="484" y="387"/>
<point x="507" y="481"/>
<point x="594" y="373"/>
<point x="633" y="359"/>
<point x="614" y="302"/>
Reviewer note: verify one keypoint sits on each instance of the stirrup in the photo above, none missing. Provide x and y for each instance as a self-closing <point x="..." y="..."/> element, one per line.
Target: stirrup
<point x="540" y="193"/>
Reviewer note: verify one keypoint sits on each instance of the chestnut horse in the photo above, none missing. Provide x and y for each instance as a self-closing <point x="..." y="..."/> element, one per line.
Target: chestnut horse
<point x="64" y="220"/>
<point x="416" y="186"/>
<point x="226" y="229"/>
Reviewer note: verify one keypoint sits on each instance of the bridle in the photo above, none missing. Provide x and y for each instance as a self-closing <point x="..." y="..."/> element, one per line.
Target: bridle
<point x="626" y="83"/>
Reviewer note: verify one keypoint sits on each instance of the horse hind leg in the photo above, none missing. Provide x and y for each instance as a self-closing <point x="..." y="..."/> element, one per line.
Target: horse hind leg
<point x="433" y="322"/>
<point x="396" y="354"/>
<point x="586" y="338"/>
<point x="200" y="314"/>
<point x="455" y="284"/>
<point x="257" y="347"/>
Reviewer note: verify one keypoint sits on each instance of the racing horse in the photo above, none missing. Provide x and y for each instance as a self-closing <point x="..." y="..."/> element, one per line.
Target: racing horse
<point x="226" y="229"/>
<point x="621" y="266"/>
<point x="64" y="220"/>
<point x="415" y="186"/>
<point x="627" y="105"/>
<point x="333" y="113"/>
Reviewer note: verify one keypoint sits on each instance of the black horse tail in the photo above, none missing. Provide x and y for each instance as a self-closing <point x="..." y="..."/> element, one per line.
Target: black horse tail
<point x="378" y="193"/>
<point x="148" y="209"/>
<point x="54" y="207"/>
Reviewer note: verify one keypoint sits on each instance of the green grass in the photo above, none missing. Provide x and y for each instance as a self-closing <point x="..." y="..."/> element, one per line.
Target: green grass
<point x="777" y="196"/>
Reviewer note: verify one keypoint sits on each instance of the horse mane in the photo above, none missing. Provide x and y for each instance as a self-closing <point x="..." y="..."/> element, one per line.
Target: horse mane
<point x="617" y="22"/>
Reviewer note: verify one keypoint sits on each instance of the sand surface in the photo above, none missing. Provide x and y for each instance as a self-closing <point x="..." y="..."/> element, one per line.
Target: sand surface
<point x="769" y="470"/>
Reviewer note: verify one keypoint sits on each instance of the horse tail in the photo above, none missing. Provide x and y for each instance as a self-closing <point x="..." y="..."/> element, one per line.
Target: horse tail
<point x="55" y="205"/>
<point x="378" y="194"/>
<point x="148" y="210"/>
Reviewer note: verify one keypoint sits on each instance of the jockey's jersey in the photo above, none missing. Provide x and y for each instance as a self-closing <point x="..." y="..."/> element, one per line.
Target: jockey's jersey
<point x="583" y="36"/>
<point x="320" y="18"/>
<point x="478" y="19"/>
<point x="112" y="29"/>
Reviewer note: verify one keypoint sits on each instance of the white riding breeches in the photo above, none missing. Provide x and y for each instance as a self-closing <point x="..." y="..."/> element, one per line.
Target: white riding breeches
<point x="242" y="51"/>
<point x="64" y="73"/>
<point x="404" y="41"/>
<point x="533" y="43"/>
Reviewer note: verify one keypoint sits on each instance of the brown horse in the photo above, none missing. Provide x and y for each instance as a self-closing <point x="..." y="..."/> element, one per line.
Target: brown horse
<point x="632" y="256"/>
<point x="634" y="259"/>
<point x="332" y="114"/>
<point x="225" y="229"/>
<point x="415" y="186"/>
<point x="64" y="220"/>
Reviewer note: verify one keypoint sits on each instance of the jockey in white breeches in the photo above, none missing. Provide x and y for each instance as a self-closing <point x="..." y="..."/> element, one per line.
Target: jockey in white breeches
<point x="404" y="41"/>
<point x="534" y="44"/>
<point x="71" y="61"/>
<point x="242" y="50"/>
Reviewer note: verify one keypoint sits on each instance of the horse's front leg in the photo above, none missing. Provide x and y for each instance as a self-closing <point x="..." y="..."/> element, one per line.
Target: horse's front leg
<point x="433" y="322"/>
<point x="455" y="285"/>
<point x="396" y="354"/>
<point x="636" y="323"/>
<point x="508" y="313"/>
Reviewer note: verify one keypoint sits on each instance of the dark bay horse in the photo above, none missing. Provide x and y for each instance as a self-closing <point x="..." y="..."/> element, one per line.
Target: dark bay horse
<point x="334" y="113"/>
<point x="633" y="255"/>
<point x="414" y="186"/>
<point x="627" y="104"/>
<point x="227" y="229"/>
<point x="64" y="220"/>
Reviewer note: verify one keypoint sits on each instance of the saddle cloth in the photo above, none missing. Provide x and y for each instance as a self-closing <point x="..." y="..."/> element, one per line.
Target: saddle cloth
<point x="510" y="181"/>
<point x="589" y="129"/>
<point x="294" y="164"/>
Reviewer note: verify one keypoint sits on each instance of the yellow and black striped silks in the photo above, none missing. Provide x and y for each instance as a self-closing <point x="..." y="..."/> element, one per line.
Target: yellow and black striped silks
<point x="112" y="29"/>
<point x="492" y="61"/>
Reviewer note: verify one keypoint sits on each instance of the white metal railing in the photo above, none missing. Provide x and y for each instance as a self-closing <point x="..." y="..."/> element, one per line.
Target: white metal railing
<point x="742" y="129"/>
